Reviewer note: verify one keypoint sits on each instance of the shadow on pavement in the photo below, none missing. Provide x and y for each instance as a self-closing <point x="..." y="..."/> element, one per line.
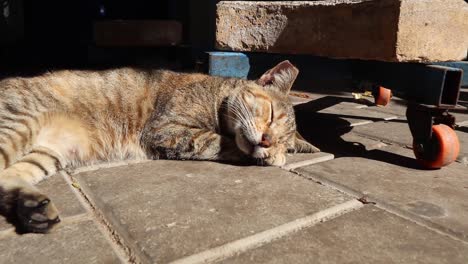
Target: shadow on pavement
<point x="326" y="130"/>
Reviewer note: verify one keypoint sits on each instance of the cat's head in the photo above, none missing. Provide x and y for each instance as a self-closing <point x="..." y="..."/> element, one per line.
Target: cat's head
<point x="262" y="117"/>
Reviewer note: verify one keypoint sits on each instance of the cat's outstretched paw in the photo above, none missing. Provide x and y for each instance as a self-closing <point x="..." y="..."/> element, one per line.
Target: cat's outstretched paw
<point x="277" y="160"/>
<point x="36" y="213"/>
<point x="303" y="146"/>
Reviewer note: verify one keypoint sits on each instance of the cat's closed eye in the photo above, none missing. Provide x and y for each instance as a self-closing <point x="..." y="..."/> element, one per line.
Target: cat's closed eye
<point x="272" y="115"/>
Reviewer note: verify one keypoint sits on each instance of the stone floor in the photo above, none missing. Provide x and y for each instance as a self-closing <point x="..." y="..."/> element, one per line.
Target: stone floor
<point x="364" y="199"/>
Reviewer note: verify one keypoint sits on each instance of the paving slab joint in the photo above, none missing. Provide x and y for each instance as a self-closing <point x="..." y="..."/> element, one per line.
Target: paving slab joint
<point x="440" y="229"/>
<point x="365" y="198"/>
<point x="107" y="165"/>
<point x="123" y="251"/>
<point x="308" y="162"/>
<point x="380" y="139"/>
<point x="257" y="240"/>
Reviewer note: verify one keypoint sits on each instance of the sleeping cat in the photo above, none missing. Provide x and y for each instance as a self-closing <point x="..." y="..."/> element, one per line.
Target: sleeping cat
<point x="73" y="118"/>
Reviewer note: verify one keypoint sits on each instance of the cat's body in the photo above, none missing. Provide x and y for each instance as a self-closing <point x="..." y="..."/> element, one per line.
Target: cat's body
<point x="72" y="118"/>
<point x="91" y="116"/>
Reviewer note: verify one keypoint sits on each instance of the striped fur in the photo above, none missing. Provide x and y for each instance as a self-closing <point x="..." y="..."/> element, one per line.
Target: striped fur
<point x="73" y="118"/>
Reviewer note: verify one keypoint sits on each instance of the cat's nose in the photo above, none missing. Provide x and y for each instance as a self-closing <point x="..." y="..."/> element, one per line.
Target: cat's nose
<point x="266" y="141"/>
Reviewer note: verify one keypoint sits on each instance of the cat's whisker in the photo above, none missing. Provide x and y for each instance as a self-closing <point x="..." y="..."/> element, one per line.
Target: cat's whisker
<point x="241" y="118"/>
<point x="241" y="109"/>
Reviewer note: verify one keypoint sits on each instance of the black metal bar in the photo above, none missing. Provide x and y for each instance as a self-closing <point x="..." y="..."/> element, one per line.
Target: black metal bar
<point x="463" y="65"/>
<point x="431" y="85"/>
<point x="420" y="121"/>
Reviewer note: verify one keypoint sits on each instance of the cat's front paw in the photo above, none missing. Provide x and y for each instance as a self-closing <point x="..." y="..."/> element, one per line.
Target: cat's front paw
<point x="36" y="213"/>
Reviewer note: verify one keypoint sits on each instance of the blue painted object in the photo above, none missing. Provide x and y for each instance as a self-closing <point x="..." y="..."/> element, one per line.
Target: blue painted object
<point x="228" y="64"/>
<point x="460" y="65"/>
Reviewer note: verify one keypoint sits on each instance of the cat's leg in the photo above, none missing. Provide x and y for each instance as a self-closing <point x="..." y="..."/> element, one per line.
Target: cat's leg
<point x="182" y="142"/>
<point x="302" y="146"/>
<point x="61" y="140"/>
<point x="16" y="136"/>
<point x="18" y="197"/>
<point x="33" y="209"/>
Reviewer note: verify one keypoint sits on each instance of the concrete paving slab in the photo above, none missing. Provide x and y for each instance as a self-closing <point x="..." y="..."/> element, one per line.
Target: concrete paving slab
<point x="363" y="141"/>
<point x="62" y="196"/>
<point x="245" y="244"/>
<point x="397" y="131"/>
<point x="462" y="124"/>
<point x="324" y="122"/>
<point x="355" y="114"/>
<point x="392" y="176"/>
<point x="368" y="235"/>
<point x="396" y="107"/>
<point x="297" y="160"/>
<point x="172" y="209"/>
<point x="462" y="133"/>
<point x="79" y="242"/>
<point x="332" y="134"/>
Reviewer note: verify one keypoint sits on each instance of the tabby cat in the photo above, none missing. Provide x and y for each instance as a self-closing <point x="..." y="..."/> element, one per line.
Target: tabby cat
<point x="73" y="118"/>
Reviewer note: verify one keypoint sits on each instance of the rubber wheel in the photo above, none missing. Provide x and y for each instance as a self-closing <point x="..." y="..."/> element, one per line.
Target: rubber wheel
<point x="383" y="96"/>
<point x="442" y="150"/>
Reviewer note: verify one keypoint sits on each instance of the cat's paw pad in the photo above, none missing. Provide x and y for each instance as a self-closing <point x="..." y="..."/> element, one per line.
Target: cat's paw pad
<point x="36" y="213"/>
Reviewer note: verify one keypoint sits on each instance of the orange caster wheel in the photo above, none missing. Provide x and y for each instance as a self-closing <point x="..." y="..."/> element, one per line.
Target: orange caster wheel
<point x="441" y="150"/>
<point x="382" y="96"/>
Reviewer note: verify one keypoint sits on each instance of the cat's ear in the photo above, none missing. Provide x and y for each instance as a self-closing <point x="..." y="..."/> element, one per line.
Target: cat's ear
<point x="302" y="146"/>
<point x="281" y="77"/>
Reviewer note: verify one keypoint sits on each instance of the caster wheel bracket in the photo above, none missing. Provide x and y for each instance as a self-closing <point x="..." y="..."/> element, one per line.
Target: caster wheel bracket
<point x="435" y="144"/>
<point x="420" y="121"/>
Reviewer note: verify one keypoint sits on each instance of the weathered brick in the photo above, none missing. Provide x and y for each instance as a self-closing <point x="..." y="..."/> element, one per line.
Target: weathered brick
<point x="387" y="30"/>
